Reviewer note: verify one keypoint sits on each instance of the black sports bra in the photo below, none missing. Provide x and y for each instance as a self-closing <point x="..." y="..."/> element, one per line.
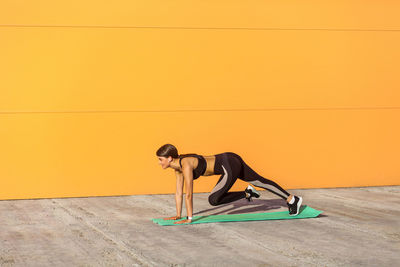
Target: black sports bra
<point x="201" y="166"/>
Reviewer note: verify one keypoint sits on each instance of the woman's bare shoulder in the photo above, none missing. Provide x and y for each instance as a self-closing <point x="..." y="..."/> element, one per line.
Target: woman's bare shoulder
<point x="187" y="161"/>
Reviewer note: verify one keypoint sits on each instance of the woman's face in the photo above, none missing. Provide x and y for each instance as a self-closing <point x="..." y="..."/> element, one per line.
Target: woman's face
<point x="164" y="162"/>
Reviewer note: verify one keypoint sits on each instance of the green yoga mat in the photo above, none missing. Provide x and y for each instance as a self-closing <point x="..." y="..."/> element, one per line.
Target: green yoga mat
<point x="305" y="212"/>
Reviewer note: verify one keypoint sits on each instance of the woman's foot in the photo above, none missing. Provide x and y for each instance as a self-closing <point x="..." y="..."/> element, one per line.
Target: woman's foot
<point x="251" y="192"/>
<point x="294" y="205"/>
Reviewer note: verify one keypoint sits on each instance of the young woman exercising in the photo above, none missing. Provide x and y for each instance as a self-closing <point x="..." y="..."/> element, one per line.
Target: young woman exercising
<point x="230" y="166"/>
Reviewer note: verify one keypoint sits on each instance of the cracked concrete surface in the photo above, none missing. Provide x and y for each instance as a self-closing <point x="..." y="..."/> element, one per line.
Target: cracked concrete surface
<point x="359" y="227"/>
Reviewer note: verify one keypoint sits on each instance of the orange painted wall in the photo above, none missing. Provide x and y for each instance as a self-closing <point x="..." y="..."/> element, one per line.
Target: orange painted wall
<point x="306" y="91"/>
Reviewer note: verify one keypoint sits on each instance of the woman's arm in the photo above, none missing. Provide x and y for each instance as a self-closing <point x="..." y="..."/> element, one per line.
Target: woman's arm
<point x="187" y="171"/>
<point x="178" y="196"/>
<point x="179" y="193"/>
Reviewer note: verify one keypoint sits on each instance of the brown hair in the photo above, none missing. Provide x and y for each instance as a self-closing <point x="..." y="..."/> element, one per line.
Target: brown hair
<point x="168" y="150"/>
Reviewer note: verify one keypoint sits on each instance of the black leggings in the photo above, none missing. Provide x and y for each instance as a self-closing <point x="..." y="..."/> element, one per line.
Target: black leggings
<point x="231" y="166"/>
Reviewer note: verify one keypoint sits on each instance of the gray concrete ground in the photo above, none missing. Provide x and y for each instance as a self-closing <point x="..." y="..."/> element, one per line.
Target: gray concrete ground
<point x="359" y="227"/>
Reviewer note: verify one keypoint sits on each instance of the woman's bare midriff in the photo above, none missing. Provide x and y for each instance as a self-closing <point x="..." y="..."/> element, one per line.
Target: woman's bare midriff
<point x="210" y="165"/>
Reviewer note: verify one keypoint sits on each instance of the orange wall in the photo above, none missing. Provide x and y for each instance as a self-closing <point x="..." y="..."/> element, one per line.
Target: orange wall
<point x="306" y="91"/>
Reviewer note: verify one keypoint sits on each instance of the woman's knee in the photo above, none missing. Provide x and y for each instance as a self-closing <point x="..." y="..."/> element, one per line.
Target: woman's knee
<point x="213" y="200"/>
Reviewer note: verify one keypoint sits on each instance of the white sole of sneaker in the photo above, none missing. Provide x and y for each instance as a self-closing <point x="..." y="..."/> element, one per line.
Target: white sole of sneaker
<point x="254" y="190"/>
<point x="298" y="206"/>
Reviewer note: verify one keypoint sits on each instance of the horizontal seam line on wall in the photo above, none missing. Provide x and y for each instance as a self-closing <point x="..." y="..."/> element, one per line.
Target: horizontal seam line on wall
<point x="197" y="28"/>
<point x="200" y="110"/>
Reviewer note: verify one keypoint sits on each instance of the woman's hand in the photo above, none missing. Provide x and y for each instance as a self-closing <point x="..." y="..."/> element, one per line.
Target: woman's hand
<point x="183" y="221"/>
<point x="173" y="218"/>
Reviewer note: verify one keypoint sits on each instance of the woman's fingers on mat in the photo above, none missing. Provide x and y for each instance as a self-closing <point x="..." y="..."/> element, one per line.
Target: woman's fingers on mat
<point x="172" y="218"/>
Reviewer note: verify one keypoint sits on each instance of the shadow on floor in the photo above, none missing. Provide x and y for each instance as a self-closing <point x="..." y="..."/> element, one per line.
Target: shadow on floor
<point x="257" y="205"/>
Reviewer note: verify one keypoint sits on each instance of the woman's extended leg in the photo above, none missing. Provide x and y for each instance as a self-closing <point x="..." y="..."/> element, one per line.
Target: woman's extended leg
<point x="249" y="175"/>
<point x="232" y="166"/>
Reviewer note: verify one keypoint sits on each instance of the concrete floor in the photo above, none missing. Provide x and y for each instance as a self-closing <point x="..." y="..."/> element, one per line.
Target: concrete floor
<point x="359" y="227"/>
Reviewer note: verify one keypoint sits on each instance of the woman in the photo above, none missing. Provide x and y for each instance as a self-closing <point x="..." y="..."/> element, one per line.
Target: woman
<point x="230" y="166"/>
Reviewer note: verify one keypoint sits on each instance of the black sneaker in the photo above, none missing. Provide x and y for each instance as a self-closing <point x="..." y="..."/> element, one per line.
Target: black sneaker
<point x="295" y="207"/>
<point x="252" y="192"/>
